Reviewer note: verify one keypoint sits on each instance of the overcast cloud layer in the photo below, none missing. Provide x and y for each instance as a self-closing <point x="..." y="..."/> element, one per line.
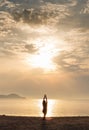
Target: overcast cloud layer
<point x="20" y="21"/>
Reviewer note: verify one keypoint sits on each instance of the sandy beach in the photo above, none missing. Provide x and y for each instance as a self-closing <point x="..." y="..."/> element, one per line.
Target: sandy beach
<point x="37" y="123"/>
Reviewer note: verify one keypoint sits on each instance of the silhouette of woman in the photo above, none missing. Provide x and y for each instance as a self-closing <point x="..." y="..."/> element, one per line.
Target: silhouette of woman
<point x="44" y="103"/>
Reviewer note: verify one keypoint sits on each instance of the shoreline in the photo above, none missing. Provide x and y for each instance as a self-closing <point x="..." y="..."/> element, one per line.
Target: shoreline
<point x="8" y="115"/>
<point x="37" y="123"/>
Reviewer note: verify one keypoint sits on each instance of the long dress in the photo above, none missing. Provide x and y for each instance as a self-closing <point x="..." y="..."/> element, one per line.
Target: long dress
<point x="44" y="107"/>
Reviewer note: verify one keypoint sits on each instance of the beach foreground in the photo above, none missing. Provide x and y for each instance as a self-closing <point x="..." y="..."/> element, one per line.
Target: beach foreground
<point x="37" y="123"/>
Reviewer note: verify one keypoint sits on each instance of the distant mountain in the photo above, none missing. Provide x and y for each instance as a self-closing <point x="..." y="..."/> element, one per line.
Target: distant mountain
<point x="12" y="96"/>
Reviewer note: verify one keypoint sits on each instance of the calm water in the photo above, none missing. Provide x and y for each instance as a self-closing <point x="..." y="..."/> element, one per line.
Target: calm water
<point x="28" y="107"/>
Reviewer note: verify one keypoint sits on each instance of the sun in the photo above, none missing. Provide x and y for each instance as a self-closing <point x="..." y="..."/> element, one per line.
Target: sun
<point x="47" y="50"/>
<point x="44" y="58"/>
<point x="43" y="61"/>
<point x="47" y="45"/>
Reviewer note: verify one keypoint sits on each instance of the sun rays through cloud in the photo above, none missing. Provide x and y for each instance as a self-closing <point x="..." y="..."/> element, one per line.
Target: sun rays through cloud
<point x="40" y="38"/>
<point x="44" y="57"/>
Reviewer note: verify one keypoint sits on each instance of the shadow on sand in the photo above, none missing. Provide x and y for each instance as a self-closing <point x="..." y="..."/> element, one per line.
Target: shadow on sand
<point x="44" y="125"/>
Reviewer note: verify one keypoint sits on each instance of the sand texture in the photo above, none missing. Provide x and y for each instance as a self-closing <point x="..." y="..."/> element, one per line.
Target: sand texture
<point x="37" y="123"/>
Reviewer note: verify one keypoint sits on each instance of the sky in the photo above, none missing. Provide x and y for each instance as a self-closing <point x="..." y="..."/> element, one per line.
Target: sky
<point x="44" y="48"/>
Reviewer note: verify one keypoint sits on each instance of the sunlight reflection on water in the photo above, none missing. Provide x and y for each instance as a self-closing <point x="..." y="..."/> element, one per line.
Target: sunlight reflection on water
<point x="51" y="105"/>
<point x="33" y="107"/>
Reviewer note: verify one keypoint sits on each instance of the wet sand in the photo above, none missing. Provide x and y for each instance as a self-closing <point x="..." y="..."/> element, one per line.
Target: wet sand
<point x="37" y="123"/>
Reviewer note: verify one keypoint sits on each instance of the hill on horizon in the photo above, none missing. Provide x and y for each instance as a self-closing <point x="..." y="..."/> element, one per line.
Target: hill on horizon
<point x="11" y="96"/>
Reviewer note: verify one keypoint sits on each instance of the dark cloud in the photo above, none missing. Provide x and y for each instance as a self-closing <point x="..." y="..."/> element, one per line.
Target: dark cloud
<point x="65" y="12"/>
<point x="70" y="2"/>
<point x="15" y="49"/>
<point x="75" y="21"/>
<point x="30" y="48"/>
<point x="42" y="15"/>
<point x="78" y="18"/>
<point x="27" y="3"/>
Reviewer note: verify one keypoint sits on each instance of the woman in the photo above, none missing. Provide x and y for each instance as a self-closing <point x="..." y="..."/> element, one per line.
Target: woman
<point x="44" y="103"/>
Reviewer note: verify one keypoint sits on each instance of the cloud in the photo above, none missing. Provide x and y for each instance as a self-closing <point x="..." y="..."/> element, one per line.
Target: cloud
<point x="85" y="9"/>
<point x="28" y="25"/>
<point x="64" y="12"/>
<point x="30" y="48"/>
<point x="75" y="60"/>
<point x="75" y="21"/>
<point x="9" y="50"/>
<point x="13" y="39"/>
<point x="7" y="53"/>
<point x="66" y="16"/>
<point x="69" y="2"/>
<point x="42" y="15"/>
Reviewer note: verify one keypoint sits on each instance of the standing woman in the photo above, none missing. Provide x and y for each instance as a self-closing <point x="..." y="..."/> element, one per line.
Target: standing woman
<point x="44" y="103"/>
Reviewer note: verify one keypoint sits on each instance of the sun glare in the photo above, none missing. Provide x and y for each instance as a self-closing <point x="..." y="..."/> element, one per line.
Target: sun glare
<point x="44" y="58"/>
<point x="43" y="61"/>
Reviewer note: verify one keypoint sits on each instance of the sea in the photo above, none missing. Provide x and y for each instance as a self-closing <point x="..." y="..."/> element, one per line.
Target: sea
<point x="33" y="107"/>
